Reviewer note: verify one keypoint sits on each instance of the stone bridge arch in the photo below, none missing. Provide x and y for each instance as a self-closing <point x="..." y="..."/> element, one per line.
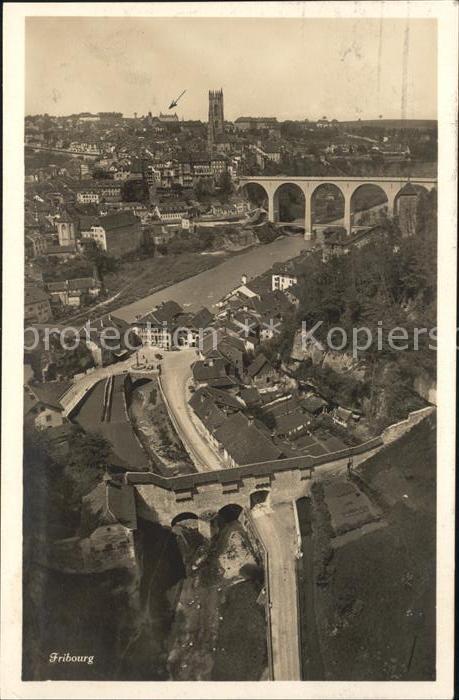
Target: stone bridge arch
<point x="183" y="517"/>
<point x="229" y="512"/>
<point x="246" y="185"/>
<point x="382" y="194"/>
<point x="259" y="496"/>
<point x="317" y="189"/>
<point x="282" y="190"/>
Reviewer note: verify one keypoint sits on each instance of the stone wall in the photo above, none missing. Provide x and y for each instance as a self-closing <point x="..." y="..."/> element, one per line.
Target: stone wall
<point x="160" y="500"/>
<point x="395" y="431"/>
<point x="255" y="542"/>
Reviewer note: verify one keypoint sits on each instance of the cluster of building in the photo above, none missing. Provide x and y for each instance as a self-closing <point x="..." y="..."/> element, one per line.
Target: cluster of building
<point x="248" y="409"/>
<point x="73" y="292"/>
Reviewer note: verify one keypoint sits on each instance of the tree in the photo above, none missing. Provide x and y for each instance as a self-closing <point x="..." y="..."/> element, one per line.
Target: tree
<point x="267" y="418"/>
<point x="102" y="261"/>
<point x="134" y="191"/>
<point x="377" y="158"/>
<point x="100" y="174"/>
<point x="43" y="507"/>
<point x="87" y="461"/>
<point x="272" y="168"/>
<point x="292" y="130"/>
<point x="203" y="188"/>
<point x="148" y="244"/>
<point x="89" y="451"/>
<point x="225" y="183"/>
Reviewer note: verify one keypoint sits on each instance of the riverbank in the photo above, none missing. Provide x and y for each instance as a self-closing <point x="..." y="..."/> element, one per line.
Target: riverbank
<point x="206" y="288"/>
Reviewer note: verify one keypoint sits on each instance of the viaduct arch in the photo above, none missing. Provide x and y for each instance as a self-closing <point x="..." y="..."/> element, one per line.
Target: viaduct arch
<point x="391" y="186"/>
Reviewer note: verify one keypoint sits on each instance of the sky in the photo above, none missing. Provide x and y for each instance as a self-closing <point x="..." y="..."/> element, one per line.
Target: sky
<point x="285" y="68"/>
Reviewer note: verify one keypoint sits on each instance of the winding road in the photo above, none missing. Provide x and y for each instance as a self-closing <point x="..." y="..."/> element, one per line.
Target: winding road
<point x="174" y="381"/>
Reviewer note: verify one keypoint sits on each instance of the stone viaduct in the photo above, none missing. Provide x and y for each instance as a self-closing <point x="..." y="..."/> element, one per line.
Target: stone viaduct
<point x="391" y="186"/>
<point x="203" y="495"/>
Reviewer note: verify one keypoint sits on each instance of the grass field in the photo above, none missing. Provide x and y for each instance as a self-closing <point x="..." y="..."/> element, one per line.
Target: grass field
<point x="376" y="616"/>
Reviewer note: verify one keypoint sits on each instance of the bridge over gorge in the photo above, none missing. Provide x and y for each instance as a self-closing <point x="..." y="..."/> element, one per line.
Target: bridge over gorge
<point x="347" y="186"/>
<point x="208" y="497"/>
<point x="162" y="499"/>
<point x="211" y="496"/>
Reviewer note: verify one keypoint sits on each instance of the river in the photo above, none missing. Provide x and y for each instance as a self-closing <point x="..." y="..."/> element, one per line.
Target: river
<point x="207" y="288"/>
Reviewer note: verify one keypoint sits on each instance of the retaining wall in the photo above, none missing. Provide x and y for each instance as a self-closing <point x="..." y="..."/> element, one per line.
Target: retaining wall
<point x="395" y="431"/>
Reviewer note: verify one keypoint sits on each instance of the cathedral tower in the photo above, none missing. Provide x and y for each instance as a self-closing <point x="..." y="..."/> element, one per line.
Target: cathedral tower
<point x="216" y="118"/>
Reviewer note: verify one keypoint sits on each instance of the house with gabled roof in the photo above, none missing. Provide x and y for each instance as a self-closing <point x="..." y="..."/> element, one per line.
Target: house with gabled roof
<point x="42" y="404"/>
<point x="156" y="328"/>
<point x="242" y="442"/>
<point x="261" y="373"/>
<point x="118" y="234"/>
<point x="212" y="372"/>
<point x="106" y="537"/>
<point x="168" y="326"/>
<point x="209" y="414"/>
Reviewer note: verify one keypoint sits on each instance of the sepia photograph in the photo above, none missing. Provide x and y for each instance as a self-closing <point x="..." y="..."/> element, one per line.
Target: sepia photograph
<point x="235" y="297"/>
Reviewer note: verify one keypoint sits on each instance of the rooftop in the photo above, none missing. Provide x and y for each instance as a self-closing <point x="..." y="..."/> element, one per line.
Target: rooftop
<point x="204" y="370"/>
<point x="50" y="393"/>
<point x="244" y="442"/>
<point x="273" y="120"/>
<point x="164" y="313"/>
<point x="112" y="222"/>
<point x="257" y="365"/>
<point x="108" y="503"/>
<point x="313" y="404"/>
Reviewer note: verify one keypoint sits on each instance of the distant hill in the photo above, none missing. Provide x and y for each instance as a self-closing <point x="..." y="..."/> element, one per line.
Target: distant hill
<point x="392" y="123"/>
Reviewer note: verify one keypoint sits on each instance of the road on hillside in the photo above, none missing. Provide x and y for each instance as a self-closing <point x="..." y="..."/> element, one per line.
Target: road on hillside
<point x="175" y="377"/>
<point x="276" y="527"/>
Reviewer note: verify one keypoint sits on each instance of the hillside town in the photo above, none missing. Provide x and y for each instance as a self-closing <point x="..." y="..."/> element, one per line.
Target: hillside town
<point x="198" y="381"/>
<point x="144" y="185"/>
